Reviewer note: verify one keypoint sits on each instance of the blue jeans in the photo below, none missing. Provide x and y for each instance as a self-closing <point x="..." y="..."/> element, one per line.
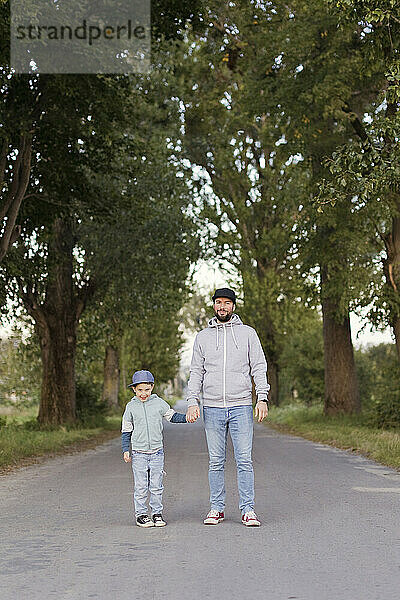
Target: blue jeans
<point x="238" y="420"/>
<point x="148" y="472"/>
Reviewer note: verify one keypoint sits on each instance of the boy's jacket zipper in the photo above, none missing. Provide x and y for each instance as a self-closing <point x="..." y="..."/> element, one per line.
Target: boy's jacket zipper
<point x="147" y="426"/>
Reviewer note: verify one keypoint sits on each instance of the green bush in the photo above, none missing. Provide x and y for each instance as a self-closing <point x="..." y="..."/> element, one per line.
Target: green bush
<point x="379" y="377"/>
<point x="387" y="397"/>
<point x="388" y="410"/>
<point x="302" y="362"/>
<point x="90" y="411"/>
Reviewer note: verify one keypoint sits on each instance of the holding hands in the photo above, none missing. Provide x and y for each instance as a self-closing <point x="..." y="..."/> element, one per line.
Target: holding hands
<point x="192" y="414"/>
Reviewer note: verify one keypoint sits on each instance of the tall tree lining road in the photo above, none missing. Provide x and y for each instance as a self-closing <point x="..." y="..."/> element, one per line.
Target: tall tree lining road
<point x="330" y="527"/>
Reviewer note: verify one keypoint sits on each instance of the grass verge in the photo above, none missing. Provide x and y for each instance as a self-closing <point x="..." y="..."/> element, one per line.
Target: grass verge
<point x="22" y="444"/>
<point x="347" y="432"/>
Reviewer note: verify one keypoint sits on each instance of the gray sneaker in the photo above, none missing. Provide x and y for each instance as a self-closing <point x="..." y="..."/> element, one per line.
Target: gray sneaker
<point x="158" y="520"/>
<point x="144" y="521"/>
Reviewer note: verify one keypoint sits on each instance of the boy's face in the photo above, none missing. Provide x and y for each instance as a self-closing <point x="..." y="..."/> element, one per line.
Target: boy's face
<point x="143" y="390"/>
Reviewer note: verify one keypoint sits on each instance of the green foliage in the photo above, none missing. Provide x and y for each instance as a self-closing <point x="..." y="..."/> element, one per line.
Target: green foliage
<point x="379" y="375"/>
<point x="153" y="343"/>
<point x="169" y="18"/>
<point x="249" y="187"/>
<point x="130" y="235"/>
<point x="365" y="172"/>
<point x="388" y="406"/>
<point x="20" y="370"/>
<point x="302" y="360"/>
<point x="90" y="411"/>
<point x="197" y="311"/>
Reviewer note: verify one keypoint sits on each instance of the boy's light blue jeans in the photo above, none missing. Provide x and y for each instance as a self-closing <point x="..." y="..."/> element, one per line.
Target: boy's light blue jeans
<point x="238" y="420"/>
<point x="148" y="472"/>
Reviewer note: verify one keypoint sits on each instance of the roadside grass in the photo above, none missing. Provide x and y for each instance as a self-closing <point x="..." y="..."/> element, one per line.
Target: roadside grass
<point x="352" y="433"/>
<point x="22" y="442"/>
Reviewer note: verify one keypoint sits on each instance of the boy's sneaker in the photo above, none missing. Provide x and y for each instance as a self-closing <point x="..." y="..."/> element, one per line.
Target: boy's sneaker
<point x="250" y="519"/>
<point x="144" y="521"/>
<point x="214" y="517"/>
<point x="158" y="520"/>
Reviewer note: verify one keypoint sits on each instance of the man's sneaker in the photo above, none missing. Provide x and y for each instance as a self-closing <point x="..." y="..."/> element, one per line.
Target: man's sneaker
<point x="144" y="521"/>
<point x="250" y="519"/>
<point x="158" y="520"/>
<point x="214" y="517"/>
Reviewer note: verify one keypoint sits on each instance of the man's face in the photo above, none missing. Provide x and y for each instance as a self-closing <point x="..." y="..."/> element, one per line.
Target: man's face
<point x="223" y="309"/>
<point x="143" y="391"/>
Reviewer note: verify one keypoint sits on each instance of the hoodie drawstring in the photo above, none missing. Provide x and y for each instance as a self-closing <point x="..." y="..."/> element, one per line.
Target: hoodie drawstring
<point x="233" y="335"/>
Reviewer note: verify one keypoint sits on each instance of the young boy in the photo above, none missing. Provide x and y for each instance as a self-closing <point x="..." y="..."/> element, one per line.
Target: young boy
<point x="142" y="431"/>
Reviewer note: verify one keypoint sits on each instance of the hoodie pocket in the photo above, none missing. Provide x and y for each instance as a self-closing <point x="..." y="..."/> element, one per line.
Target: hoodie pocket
<point x="212" y="385"/>
<point x="237" y="385"/>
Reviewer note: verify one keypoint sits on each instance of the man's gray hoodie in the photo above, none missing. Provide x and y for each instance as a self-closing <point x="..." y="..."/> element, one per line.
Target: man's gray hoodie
<point x="225" y="358"/>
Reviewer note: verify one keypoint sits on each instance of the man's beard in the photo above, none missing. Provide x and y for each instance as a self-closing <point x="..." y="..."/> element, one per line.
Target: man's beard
<point x="223" y="318"/>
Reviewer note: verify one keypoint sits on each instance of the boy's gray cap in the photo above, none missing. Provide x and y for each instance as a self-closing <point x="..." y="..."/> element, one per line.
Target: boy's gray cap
<point x="225" y="293"/>
<point x="141" y="377"/>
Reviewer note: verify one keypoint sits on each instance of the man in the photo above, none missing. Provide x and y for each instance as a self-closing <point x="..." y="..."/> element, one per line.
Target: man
<point x="226" y="356"/>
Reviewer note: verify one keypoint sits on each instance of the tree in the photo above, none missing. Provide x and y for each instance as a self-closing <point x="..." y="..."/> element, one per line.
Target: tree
<point x="247" y="186"/>
<point x="77" y="126"/>
<point x="366" y="170"/>
<point x="80" y="132"/>
<point x="23" y="103"/>
<point x="308" y="79"/>
<point x="149" y="277"/>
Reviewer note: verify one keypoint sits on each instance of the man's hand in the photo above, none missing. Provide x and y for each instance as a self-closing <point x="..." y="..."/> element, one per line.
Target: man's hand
<point x="192" y="414"/>
<point x="261" y="410"/>
<point x="127" y="457"/>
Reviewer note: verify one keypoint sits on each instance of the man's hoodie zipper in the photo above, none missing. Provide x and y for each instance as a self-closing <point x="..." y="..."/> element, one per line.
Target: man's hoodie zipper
<point x="224" y="369"/>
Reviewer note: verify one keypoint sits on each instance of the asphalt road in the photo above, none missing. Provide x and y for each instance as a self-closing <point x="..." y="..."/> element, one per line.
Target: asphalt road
<point x="330" y="527"/>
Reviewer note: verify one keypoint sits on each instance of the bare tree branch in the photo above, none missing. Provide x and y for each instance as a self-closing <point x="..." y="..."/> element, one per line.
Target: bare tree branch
<point x="16" y="194"/>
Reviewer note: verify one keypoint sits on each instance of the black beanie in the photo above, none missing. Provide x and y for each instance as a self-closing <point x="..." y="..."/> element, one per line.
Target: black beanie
<point x="225" y="293"/>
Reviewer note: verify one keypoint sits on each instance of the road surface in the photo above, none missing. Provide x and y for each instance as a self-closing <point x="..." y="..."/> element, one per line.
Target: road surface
<point x="330" y="527"/>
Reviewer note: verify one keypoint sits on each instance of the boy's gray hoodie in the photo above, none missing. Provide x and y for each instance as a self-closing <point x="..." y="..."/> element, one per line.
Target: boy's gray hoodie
<point x="225" y="357"/>
<point x="142" y="425"/>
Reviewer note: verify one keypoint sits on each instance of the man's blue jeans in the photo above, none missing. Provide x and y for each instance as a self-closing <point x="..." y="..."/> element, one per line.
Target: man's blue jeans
<point x="238" y="420"/>
<point x="148" y="471"/>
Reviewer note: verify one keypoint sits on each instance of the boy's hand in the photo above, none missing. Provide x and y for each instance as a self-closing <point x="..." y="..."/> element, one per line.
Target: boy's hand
<point x="261" y="410"/>
<point x="192" y="414"/>
<point x="127" y="457"/>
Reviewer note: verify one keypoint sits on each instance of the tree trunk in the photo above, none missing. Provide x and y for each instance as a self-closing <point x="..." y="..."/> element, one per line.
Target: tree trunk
<point x="391" y="268"/>
<point x="56" y="321"/>
<point x="58" y="347"/>
<point x="396" y="329"/>
<point x="111" y="377"/>
<point x="273" y="380"/>
<point x="341" y="384"/>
